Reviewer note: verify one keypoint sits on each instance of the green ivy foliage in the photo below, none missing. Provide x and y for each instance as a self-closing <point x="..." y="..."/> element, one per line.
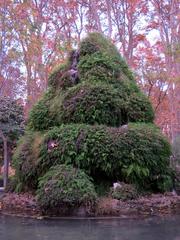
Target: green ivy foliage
<point x="41" y="117"/>
<point x="96" y="43"/>
<point x="92" y="104"/>
<point x="58" y="78"/>
<point x="104" y="104"/>
<point x="102" y="124"/>
<point x="137" y="153"/>
<point x="64" y="186"/>
<point x="98" y="66"/>
<point x="138" y="108"/>
<point x="25" y="160"/>
<point x="105" y="93"/>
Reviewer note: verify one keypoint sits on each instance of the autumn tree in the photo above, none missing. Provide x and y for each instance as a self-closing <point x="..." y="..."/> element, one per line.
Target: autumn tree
<point x="166" y="15"/>
<point x="10" y="75"/>
<point x="152" y="76"/>
<point x="39" y="29"/>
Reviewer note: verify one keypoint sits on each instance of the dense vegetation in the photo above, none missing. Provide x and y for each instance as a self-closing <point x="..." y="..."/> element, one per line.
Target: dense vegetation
<point x="65" y="186"/>
<point x="94" y="119"/>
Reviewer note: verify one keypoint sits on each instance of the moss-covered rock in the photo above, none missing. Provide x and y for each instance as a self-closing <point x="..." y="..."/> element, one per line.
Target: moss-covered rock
<point x="64" y="187"/>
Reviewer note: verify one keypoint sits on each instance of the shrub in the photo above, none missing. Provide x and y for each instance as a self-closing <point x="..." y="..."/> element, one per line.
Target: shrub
<point x="124" y="192"/>
<point x="164" y="182"/>
<point x="96" y="42"/>
<point x="149" y="155"/>
<point x="82" y="145"/>
<point x="104" y="95"/>
<point x="41" y="117"/>
<point x="139" y="108"/>
<point x="65" y="186"/>
<point x="98" y="66"/>
<point x="25" y="160"/>
<point x="92" y="104"/>
<point x="57" y="78"/>
<point x="137" y="153"/>
<point x="104" y="104"/>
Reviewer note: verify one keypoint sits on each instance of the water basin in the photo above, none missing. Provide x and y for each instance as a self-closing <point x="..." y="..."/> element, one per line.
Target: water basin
<point x="156" y="228"/>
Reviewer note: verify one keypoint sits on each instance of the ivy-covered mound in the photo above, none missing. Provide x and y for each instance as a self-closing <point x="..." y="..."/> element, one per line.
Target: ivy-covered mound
<point x="95" y="119"/>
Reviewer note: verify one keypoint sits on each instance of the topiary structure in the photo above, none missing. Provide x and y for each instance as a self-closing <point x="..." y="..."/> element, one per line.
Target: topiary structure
<point x="95" y="118"/>
<point x="95" y="86"/>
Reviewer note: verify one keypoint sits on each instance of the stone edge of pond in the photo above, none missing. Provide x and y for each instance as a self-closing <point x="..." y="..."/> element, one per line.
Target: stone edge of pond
<point x="25" y="205"/>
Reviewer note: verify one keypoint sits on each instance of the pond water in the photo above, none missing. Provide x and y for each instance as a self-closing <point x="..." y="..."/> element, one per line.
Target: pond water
<point x="13" y="228"/>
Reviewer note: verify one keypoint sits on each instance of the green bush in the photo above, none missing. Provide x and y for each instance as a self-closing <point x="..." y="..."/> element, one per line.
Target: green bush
<point x="41" y="117"/>
<point x="149" y="156"/>
<point x="124" y="192"/>
<point x="98" y="66"/>
<point x="164" y="182"/>
<point x="58" y="78"/>
<point x="64" y="186"/>
<point x="92" y="104"/>
<point x="25" y="160"/>
<point x="137" y="153"/>
<point x="139" y="108"/>
<point x="104" y="104"/>
<point x="96" y="43"/>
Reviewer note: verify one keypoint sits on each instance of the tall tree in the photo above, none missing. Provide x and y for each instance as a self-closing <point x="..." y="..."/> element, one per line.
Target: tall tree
<point x="166" y="14"/>
<point x="39" y="28"/>
<point x="153" y="78"/>
<point x="11" y="125"/>
<point x="10" y="76"/>
<point x="126" y="19"/>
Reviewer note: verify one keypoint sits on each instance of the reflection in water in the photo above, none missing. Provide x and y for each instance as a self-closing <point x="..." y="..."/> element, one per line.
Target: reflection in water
<point x="12" y="228"/>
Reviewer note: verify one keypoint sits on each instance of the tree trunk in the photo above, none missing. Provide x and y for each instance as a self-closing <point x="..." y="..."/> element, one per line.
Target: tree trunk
<point x="6" y="162"/>
<point x="6" y="158"/>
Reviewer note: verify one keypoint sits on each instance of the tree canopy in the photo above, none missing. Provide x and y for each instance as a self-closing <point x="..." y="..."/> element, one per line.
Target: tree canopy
<point x="11" y="118"/>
